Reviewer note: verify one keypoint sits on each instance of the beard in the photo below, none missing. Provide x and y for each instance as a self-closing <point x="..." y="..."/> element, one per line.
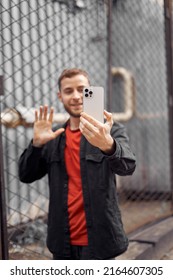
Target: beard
<point x="72" y="113"/>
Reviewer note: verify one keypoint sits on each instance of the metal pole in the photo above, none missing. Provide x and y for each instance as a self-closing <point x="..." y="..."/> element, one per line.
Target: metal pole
<point x="109" y="31"/>
<point x="169" y="60"/>
<point x="3" y="222"/>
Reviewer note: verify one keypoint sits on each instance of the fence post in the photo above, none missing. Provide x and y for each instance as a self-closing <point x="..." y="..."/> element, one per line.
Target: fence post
<point x="3" y="222"/>
<point x="109" y="32"/>
<point x="169" y="60"/>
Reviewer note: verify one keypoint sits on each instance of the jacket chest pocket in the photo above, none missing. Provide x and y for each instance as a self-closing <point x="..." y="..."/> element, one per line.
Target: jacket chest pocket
<point x="55" y="168"/>
<point x="96" y="170"/>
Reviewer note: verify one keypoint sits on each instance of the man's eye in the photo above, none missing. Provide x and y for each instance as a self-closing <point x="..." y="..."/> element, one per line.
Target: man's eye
<point x="68" y="91"/>
<point x="80" y="89"/>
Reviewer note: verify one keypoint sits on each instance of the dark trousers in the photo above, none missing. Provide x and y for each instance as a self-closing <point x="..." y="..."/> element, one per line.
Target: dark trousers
<point x="77" y="253"/>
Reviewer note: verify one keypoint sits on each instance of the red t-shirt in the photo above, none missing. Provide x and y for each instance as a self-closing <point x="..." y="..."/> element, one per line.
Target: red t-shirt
<point x="77" y="219"/>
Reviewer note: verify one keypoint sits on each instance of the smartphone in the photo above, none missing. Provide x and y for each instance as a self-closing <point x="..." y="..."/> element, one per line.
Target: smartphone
<point x="93" y="102"/>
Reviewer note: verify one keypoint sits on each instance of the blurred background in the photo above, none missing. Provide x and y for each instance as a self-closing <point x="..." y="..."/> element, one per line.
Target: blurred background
<point x="125" y="45"/>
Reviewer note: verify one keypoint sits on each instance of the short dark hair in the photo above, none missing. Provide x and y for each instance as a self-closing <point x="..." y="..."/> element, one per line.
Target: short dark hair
<point x="71" y="72"/>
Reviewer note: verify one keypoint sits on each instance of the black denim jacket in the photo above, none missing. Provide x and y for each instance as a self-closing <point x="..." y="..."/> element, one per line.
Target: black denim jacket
<point x="104" y="225"/>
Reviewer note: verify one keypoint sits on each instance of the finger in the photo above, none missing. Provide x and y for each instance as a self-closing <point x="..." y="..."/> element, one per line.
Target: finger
<point x="107" y="114"/>
<point x="41" y="113"/>
<point x="36" y="115"/>
<point x="91" y="120"/>
<point x="82" y="126"/>
<point x="86" y="125"/>
<point x="87" y="129"/>
<point x="45" y="110"/>
<point x="51" y="114"/>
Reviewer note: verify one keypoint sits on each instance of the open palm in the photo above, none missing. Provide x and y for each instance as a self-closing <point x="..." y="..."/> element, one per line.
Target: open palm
<point x="43" y="127"/>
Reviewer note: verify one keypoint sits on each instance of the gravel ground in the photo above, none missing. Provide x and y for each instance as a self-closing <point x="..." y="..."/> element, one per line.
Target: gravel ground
<point x="168" y="255"/>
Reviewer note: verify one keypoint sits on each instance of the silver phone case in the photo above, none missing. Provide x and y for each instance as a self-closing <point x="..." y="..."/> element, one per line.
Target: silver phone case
<point x="93" y="102"/>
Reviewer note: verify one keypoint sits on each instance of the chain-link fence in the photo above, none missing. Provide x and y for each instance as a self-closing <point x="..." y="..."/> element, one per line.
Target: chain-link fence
<point x="110" y="40"/>
<point x="138" y="44"/>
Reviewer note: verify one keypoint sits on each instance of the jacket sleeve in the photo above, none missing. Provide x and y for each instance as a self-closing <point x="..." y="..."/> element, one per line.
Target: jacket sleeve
<point x="123" y="161"/>
<point x="32" y="166"/>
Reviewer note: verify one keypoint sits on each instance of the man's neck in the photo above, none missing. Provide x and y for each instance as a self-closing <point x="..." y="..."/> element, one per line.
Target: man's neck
<point x="74" y="123"/>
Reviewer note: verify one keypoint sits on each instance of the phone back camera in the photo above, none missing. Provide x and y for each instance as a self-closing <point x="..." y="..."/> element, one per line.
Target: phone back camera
<point x="90" y="93"/>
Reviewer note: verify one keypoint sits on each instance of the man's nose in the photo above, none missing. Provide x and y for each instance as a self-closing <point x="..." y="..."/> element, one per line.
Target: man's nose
<point x="76" y="94"/>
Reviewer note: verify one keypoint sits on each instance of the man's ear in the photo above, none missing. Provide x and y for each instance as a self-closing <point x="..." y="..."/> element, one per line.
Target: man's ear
<point x="59" y="96"/>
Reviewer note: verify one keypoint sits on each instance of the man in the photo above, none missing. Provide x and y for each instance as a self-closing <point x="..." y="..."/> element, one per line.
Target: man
<point x="81" y="160"/>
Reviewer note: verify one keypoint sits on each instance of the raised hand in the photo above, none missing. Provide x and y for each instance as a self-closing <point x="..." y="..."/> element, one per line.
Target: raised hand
<point x="98" y="134"/>
<point x="43" y="127"/>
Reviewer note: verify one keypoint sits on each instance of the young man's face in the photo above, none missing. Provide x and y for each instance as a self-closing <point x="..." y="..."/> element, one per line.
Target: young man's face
<point x="71" y="94"/>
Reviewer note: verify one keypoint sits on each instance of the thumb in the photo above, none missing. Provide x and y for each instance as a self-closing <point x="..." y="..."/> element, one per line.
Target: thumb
<point x="59" y="131"/>
<point x="109" y="119"/>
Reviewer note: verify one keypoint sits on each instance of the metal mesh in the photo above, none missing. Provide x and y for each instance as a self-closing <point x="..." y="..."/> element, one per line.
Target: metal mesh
<point x="41" y="38"/>
<point x="138" y="51"/>
<point x="138" y="45"/>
